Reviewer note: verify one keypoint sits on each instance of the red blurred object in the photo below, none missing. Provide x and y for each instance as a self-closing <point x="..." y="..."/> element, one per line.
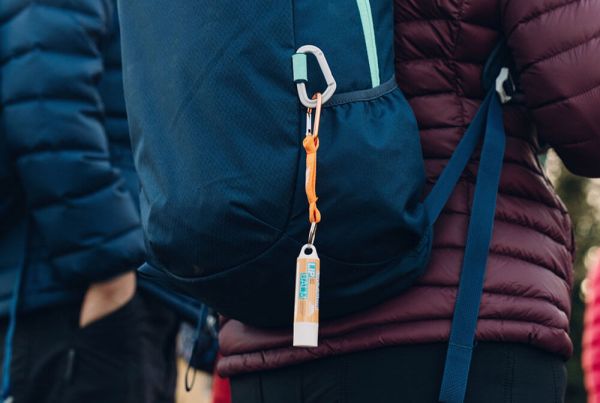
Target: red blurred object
<point x="221" y="389"/>
<point x="591" y="335"/>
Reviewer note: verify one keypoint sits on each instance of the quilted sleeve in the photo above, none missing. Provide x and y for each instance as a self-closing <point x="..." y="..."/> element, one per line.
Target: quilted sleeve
<point x="556" y="45"/>
<point x="51" y="63"/>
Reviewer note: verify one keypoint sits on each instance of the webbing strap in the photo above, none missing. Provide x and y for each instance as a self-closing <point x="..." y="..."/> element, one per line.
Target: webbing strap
<point x="439" y="195"/>
<point x="481" y="223"/>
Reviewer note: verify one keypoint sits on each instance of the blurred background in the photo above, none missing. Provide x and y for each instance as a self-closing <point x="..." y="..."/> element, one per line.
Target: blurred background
<point x="200" y="393"/>
<point x="582" y="198"/>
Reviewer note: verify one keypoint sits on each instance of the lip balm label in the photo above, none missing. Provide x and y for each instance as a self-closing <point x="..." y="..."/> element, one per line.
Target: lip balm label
<point x="306" y="306"/>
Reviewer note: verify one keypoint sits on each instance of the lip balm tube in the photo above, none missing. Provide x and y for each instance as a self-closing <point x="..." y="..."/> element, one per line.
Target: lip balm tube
<point x="306" y="305"/>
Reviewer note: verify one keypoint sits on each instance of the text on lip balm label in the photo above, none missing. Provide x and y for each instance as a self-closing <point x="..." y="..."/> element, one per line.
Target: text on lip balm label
<point x="303" y="292"/>
<point x="307" y="289"/>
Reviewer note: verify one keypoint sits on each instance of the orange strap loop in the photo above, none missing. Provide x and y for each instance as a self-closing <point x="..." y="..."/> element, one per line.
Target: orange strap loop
<point x="311" y="145"/>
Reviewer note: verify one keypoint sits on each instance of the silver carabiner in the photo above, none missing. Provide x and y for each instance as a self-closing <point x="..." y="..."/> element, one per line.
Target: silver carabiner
<point x="331" y="84"/>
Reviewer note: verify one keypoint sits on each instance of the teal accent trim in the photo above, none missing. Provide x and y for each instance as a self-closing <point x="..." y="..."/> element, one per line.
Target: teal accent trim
<point x="299" y="66"/>
<point x="366" y="17"/>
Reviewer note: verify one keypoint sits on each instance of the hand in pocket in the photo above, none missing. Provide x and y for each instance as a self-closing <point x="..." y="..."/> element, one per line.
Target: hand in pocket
<point x="104" y="298"/>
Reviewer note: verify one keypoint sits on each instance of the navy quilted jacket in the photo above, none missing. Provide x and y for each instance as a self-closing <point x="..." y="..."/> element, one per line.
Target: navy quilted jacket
<point x="63" y="134"/>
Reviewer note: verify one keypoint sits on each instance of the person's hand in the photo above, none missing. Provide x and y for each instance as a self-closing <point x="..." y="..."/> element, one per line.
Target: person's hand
<point x="103" y="298"/>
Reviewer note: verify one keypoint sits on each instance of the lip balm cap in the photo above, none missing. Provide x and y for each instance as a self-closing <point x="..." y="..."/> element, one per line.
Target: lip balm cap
<point x="306" y="334"/>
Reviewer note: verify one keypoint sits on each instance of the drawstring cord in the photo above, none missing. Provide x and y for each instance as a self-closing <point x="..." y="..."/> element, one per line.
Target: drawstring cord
<point x="311" y="145"/>
<point x="12" y="325"/>
<point x="8" y="342"/>
<point x="201" y="323"/>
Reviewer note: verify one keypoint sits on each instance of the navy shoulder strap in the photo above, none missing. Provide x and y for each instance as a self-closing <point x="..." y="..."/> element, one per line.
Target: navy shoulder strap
<point x="439" y="195"/>
<point x="488" y="123"/>
<point x="470" y="290"/>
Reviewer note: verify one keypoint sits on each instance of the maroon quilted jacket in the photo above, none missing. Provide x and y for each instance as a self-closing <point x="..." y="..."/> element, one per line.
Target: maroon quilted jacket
<point x="441" y="46"/>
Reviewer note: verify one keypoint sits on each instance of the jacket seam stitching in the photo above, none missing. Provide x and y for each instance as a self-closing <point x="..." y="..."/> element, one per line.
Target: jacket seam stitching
<point x="504" y="192"/>
<point x="542" y="202"/>
<point x="533" y="16"/>
<point x="457" y="87"/>
<point x="53" y="98"/>
<point x="98" y="152"/>
<point x="389" y="322"/>
<point x="565" y="282"/>
<point x="424" y="20"/>
<point x="460" y="248"/>
<point x="504" y="218"/>
<point x="567" y="99"/>
<point x="103" y="241"/>
<point x="436" y="59"/>
<point x="71" y="197"/>
<point x="71" y="10"/>
<point x="554" y="55"/>
<point x="39" y="48"/>
<point x="514" y="256"/>
<point x="493" y="291"/>
<point x="507" y="160"/>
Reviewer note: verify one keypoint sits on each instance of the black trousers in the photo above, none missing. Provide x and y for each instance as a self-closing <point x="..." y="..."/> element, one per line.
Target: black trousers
<point x="127" y="356"/>
<point x="500" y="372"/>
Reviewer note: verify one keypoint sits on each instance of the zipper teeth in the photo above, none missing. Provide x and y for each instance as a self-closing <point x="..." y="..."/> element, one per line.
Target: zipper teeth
<point x="366" y="16"/>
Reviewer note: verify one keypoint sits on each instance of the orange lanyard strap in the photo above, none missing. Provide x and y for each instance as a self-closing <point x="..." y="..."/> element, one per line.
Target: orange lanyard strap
<point x="311" y="145"/>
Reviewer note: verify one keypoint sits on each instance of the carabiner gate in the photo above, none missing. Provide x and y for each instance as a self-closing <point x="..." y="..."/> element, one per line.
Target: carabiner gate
<point x="313" y="129"/>
<point x="309" y="122"/>
<point x="312" y="234"/>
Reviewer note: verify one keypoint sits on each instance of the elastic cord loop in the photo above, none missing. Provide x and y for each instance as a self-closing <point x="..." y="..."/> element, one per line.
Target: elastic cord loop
<point x="311" y="145"/>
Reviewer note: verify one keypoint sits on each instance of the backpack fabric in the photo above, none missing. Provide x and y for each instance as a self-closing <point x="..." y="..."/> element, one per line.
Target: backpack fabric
<point x="226" y="214"/>
<point x="223" y="203"/>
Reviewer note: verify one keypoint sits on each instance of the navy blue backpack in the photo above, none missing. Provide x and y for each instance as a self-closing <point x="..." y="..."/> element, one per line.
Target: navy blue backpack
<point x="217" y="129"/>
